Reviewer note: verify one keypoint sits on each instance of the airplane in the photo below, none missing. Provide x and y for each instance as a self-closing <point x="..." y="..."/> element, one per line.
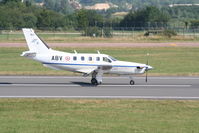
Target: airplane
<point x="88" y="64"/>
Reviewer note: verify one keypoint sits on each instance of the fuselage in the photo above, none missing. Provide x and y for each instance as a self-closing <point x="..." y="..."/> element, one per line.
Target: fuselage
<point x="86" y="63"/>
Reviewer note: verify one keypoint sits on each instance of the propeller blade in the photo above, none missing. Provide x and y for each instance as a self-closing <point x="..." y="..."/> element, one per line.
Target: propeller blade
<point x="147" y="63"/>
<point x="146" y="75"/>
<point x="146" y="78"/>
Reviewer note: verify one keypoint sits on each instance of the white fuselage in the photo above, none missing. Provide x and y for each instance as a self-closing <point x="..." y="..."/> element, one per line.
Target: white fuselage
<point x="86" y="63"/>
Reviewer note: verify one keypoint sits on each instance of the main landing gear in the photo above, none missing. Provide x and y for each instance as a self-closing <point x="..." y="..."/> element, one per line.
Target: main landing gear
<point x="96" y="78"/>
<point x="94" y="81"/>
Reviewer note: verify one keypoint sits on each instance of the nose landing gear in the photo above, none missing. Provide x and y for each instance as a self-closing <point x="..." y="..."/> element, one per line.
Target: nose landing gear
<point x="132" y="82"/>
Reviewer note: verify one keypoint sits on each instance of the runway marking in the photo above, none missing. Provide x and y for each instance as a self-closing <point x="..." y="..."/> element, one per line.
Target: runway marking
<point x="74" y="85"/>
<point x="109" y="97"/>
<point x="79" y="77"/>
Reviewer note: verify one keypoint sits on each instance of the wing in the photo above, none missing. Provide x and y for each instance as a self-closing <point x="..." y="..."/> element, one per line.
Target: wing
<point x="98" y="69"/>
<point x="86" y="71"/>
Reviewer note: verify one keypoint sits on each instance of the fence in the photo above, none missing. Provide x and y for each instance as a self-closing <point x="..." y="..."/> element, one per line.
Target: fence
<point x="8" y="35"/>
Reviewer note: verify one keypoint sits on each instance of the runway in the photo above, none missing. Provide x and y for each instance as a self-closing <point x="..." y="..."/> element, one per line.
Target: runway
<point x="112" y="87"/>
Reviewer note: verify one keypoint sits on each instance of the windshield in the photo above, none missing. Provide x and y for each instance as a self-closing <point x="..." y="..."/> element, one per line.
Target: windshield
<point x="106" y="59"/>
<point x="113" y="59"/>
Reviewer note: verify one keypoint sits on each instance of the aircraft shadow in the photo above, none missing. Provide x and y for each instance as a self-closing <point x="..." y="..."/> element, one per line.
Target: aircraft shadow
<point x="83" y="84"/>
<point x="5" y="83"/>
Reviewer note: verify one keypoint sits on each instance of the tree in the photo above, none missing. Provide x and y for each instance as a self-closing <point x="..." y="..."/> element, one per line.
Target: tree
<point x="194" y="24"/>
<point x="8" y="1"/>
<point x="86" y="18"/>
<point x="49" y="19"/>
<point x="147" y="17"/>
<point x="61" y="6"/>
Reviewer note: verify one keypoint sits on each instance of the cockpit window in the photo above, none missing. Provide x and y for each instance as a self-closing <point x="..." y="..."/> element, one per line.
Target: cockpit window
<point x="106" y="59"/>
<point x="113" y="59"/>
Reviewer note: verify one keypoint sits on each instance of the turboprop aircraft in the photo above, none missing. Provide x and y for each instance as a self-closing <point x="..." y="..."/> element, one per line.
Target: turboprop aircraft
<point x="89" y="64"/>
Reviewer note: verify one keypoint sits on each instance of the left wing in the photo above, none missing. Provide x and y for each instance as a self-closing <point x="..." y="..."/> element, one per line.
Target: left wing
<point x="86" y="71"/>
<point x="98" y="69"/>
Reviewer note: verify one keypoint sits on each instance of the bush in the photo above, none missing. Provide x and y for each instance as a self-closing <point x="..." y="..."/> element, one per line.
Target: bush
<point x="169" y="33"/>
<point x="107" y="32"/>
<point x="194" y="24"/>
<point x="92" y="31"/>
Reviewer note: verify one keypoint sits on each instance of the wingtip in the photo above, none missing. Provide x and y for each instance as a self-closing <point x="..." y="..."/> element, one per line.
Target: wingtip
<point x="27" y="29"/>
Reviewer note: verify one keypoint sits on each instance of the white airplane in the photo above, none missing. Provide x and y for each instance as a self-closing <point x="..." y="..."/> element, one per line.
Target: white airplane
<point x="88" y="64"/>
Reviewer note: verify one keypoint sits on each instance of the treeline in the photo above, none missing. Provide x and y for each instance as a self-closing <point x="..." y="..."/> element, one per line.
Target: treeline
<point x="15" y="15"/>
<point x="147" y="17"/>
<point x="60" y="6"/>
<point x="183" y="12"/>
<point x="137" y="4"/>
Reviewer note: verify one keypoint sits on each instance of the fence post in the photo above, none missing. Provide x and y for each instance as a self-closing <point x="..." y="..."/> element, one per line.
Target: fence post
<point x="8" y="35"/>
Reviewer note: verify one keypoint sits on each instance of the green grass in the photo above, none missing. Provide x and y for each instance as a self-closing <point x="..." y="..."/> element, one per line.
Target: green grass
<point x="98" y="116"/>
<point x="120" y="37"/>
<point x="165" y="60"/>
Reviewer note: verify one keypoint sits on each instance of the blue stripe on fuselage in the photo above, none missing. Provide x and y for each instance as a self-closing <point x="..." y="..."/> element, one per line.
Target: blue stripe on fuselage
<point x="85" y="64"/>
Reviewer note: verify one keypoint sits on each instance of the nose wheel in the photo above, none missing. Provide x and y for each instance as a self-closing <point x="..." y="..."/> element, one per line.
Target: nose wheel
<point x="132" y="82"/>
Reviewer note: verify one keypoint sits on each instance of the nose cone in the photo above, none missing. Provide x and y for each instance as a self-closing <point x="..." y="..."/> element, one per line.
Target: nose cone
<point x="149" y="67"/>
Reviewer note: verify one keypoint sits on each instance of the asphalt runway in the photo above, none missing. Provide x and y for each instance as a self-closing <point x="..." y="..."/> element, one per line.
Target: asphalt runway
<point x="112" y="87"/>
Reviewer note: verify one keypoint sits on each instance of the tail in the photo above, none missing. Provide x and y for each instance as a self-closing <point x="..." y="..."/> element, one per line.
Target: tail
<point x="35" y="44"/>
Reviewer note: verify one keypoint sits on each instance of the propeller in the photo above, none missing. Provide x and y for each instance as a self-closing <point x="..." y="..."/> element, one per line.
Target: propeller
<point x="147" y="63"/>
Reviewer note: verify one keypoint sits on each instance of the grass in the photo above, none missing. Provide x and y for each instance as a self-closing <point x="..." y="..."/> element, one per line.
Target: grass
<point x="177" y="61"/>
<point x="98" y="116"/>
<point x="120" y="37"/>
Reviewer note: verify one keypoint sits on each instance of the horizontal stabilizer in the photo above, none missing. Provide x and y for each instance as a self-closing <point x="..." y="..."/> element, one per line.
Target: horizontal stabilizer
<point x="28" y="54"/>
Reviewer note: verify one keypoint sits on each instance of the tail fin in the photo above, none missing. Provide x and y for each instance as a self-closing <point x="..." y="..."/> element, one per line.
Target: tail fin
<point x="34" y="42"/>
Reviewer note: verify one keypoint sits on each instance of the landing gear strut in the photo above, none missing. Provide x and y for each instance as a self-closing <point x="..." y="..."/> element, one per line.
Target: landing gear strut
<point x="96" y="78"/>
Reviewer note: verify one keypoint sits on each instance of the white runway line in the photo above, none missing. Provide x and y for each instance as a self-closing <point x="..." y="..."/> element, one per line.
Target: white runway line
<point x="80" y="77"/>
<point x="74" y="85"/>
<point x="108" y="97"/>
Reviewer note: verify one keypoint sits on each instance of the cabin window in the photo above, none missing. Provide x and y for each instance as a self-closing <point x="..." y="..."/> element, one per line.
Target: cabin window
<point x="74" y="58"/>
<point x="97" y="58"/>
<point x="106" y="59"/>
<point x="90" y="58"/>
<point x="82" y="58"/>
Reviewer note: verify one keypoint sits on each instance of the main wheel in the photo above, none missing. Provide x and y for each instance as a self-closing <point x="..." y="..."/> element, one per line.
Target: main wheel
<point x="132" y="82"/>
<point x="94" y="81"/>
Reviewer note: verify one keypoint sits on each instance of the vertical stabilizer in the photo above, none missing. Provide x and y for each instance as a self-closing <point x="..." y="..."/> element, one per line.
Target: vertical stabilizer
<point x="34" y="42"/>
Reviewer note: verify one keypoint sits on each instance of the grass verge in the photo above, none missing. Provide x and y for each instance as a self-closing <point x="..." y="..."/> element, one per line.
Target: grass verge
<point x="77" y="38"/>
<point x="177" y="61"/>
<point x="98" y="116"/>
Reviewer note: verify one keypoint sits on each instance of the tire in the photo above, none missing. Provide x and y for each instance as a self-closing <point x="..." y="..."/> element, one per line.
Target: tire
<point x="132" y="82"/>
<point x="94" y="81"/>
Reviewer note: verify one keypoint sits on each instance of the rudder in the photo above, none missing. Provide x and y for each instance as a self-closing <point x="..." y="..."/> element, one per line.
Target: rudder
<point x="34" y="42"/>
